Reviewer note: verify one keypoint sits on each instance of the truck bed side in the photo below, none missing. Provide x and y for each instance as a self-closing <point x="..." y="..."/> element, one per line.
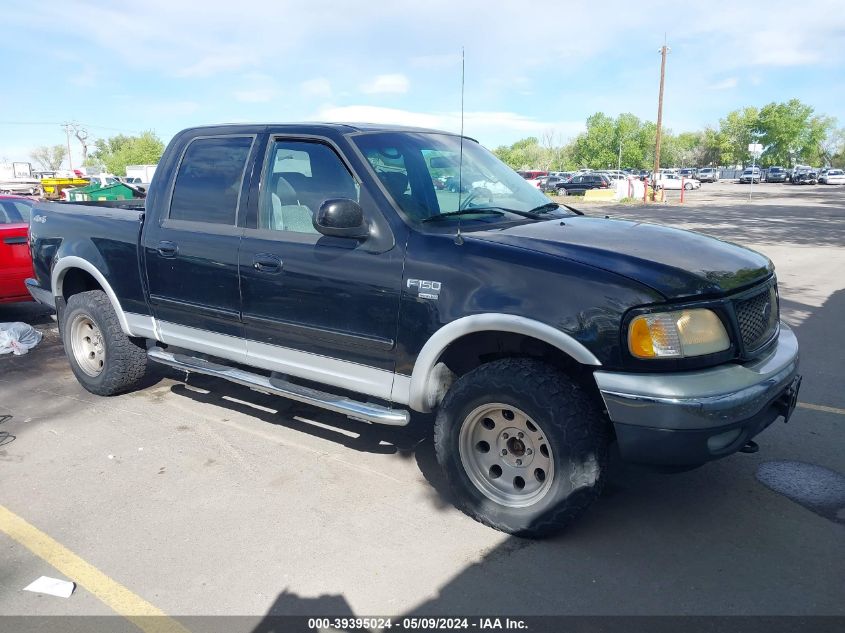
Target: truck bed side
<point x="88" y="246"/>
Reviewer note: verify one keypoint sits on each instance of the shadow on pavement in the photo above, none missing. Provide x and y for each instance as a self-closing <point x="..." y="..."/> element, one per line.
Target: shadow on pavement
<point x="32" y="313"/>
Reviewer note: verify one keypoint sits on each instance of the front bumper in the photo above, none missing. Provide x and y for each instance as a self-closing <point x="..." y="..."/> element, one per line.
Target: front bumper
<point x="692" y="417"/>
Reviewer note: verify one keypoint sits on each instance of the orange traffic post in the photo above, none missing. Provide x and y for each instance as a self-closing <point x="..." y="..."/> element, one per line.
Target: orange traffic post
<point x="682" y="189"/>
<point x="645" y="190"/>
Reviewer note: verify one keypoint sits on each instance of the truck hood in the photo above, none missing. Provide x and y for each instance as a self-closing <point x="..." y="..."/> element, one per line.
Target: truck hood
<point x="674" y="262"/>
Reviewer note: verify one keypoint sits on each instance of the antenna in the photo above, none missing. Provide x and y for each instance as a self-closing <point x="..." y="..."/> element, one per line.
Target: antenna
<point x="459" y="238"/>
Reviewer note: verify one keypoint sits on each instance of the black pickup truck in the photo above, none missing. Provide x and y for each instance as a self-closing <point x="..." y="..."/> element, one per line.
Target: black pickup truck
<point x="320" y="262"/>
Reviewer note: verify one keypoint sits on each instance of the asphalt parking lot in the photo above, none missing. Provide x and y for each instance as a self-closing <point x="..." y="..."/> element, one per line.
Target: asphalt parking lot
<point x="202" y="497"/>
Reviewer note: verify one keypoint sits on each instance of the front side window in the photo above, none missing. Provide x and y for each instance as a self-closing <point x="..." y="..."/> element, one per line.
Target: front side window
<point x="473" y="179"/>
<point x="208" y="183"/>
<point x="298" y="178"/>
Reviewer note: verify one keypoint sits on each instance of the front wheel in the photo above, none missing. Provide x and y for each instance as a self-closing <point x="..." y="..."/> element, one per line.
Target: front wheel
<point x="522" y="446"/>
<point x="688" y="186"/>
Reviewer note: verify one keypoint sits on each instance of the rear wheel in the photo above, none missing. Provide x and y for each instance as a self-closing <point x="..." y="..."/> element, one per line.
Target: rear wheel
<point x="103" y="359"/>
<point x="522" y="446"/>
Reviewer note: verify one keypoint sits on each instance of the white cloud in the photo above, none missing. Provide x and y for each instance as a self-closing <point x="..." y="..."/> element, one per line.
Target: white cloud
<point x="444" y="60"/>
<point x="255" y="95"/>
<point x="212" y="65"/>
<point x="84" y="78"/>
<point x="488" y="127"/>
<point x="257" y="88"/>
<point x="383" y="84"/>
<point x="725" y="84"/>
<point x="319" y="87"/>
<point x="169" y="108"/>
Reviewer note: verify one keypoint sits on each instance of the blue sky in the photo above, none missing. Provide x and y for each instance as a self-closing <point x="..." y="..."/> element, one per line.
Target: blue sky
<point x="530" y="66"/>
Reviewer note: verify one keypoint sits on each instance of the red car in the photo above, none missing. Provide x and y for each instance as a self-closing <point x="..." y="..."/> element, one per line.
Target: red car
<point x="15" y="262"/>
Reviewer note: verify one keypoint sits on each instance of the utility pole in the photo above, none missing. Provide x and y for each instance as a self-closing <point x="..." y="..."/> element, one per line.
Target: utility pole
<point x="663" y="51"/>
<point x="67" y="126"/>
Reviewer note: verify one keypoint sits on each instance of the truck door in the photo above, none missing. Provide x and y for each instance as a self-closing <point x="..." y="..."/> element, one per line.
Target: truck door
<point x="191" y="250"/>
<point x="319" y="307"/>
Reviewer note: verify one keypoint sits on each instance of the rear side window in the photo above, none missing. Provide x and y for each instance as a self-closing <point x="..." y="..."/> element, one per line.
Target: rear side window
<point x="209" y="180"/>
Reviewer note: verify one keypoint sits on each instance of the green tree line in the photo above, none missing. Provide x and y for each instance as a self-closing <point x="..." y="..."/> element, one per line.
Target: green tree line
<point x="791" y="133"/>
<point x="111" y="155"/>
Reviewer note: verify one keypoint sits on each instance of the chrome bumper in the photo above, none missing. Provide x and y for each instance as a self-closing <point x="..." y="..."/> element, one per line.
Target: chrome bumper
<point x="707" y="398"/>
<point x="689" y="418"/>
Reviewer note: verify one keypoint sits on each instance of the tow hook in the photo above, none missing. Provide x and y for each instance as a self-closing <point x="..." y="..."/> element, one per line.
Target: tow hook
<point x="750" y="447"/>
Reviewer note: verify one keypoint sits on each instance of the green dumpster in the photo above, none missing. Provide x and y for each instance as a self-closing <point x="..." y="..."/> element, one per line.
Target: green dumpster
<point x="94" y="192"/>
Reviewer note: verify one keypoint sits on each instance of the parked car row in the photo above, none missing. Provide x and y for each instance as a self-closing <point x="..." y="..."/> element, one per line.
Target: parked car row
<point x="832" y="177"/>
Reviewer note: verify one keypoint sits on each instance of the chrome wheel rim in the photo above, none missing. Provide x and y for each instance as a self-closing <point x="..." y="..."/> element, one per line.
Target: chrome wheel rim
<point x="506" y="455"/>
<point x="87" y="345"/>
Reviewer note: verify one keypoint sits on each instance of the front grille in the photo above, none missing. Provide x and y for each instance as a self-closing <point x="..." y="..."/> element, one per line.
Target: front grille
<point x="758" y="318"/>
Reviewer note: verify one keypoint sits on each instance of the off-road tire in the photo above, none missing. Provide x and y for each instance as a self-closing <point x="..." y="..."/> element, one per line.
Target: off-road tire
<point x="125" y="359"/>
<point x="575" y="428"/>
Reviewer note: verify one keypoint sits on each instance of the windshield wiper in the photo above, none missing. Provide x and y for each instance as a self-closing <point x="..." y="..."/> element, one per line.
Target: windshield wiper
<point x="543" y="208"/>
<point x="484" y="210"/>
<point x="524" y="214"/>
<point x="573" y="209"/>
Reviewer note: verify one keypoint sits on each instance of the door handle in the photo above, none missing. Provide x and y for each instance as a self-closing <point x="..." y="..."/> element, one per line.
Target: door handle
<point x="168" y="249"/>
<point x="267" y="263"/>
<point x="15" y="240"/>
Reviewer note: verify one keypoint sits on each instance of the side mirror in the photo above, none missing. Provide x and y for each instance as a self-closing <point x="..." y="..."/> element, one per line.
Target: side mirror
<point x="341" y="217"/>
<point x="442" y="162"/>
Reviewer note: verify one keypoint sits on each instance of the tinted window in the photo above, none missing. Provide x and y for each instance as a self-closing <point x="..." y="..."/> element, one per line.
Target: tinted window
<point x="14" y="212"/>
<point x="298" y="178"/>
<point x="209" y="180"/>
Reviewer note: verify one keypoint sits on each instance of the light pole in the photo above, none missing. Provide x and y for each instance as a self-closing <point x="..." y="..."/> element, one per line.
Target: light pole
<point x="66" y="126"/>
<point x="755" y="149"/>
<point x="619" y="161"/>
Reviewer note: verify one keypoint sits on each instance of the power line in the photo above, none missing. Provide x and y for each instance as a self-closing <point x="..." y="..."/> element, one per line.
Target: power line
<point x="62" y="123"/>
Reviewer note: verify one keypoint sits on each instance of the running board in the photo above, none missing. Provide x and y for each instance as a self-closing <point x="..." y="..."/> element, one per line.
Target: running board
<point x="352" y="408"/>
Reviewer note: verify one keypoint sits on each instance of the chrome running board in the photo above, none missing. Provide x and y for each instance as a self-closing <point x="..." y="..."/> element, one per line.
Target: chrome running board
<point x="374" y="413"/>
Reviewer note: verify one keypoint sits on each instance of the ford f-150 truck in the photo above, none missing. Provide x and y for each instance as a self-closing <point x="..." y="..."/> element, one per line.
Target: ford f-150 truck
<point x="320" y="262"/>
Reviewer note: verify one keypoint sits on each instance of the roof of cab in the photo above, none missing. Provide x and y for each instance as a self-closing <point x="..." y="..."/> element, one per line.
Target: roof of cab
<point x="343" y="128"/>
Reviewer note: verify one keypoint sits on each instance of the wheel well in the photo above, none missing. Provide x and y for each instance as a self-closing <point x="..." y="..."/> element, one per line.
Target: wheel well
<point x="77" y="280"/>
<point x="472" y="350"/>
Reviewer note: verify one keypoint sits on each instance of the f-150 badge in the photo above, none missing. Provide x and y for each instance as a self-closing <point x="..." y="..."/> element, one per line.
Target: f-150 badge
<point x="425" y="288"/>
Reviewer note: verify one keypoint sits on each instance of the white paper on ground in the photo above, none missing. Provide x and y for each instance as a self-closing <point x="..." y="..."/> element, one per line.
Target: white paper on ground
<point x="51" y="586"/>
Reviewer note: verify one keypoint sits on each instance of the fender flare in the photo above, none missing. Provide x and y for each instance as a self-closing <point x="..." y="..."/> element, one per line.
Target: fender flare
<point x="425" y="387"/>
<point x="72" y="261"/>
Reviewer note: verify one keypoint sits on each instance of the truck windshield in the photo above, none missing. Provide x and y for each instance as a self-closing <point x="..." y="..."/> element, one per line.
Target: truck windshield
<point x="426" y="176"/>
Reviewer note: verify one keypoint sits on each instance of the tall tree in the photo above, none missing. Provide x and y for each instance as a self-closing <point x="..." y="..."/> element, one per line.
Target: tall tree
<point x="119" y="151"/>
<point x="790" y="132"/>
<point x="738" y="129"/>
<point x="524" y="154"/>
<point x="713" y="146"/>
<point x="832" y="148"/>
<point x="81" y="134"/>
<point x="49" y="158"/>
<point x="595" y="147"/>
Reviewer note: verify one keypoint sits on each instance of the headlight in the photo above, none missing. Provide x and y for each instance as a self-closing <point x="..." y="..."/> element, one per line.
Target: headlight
<point x="677" y="334"/>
